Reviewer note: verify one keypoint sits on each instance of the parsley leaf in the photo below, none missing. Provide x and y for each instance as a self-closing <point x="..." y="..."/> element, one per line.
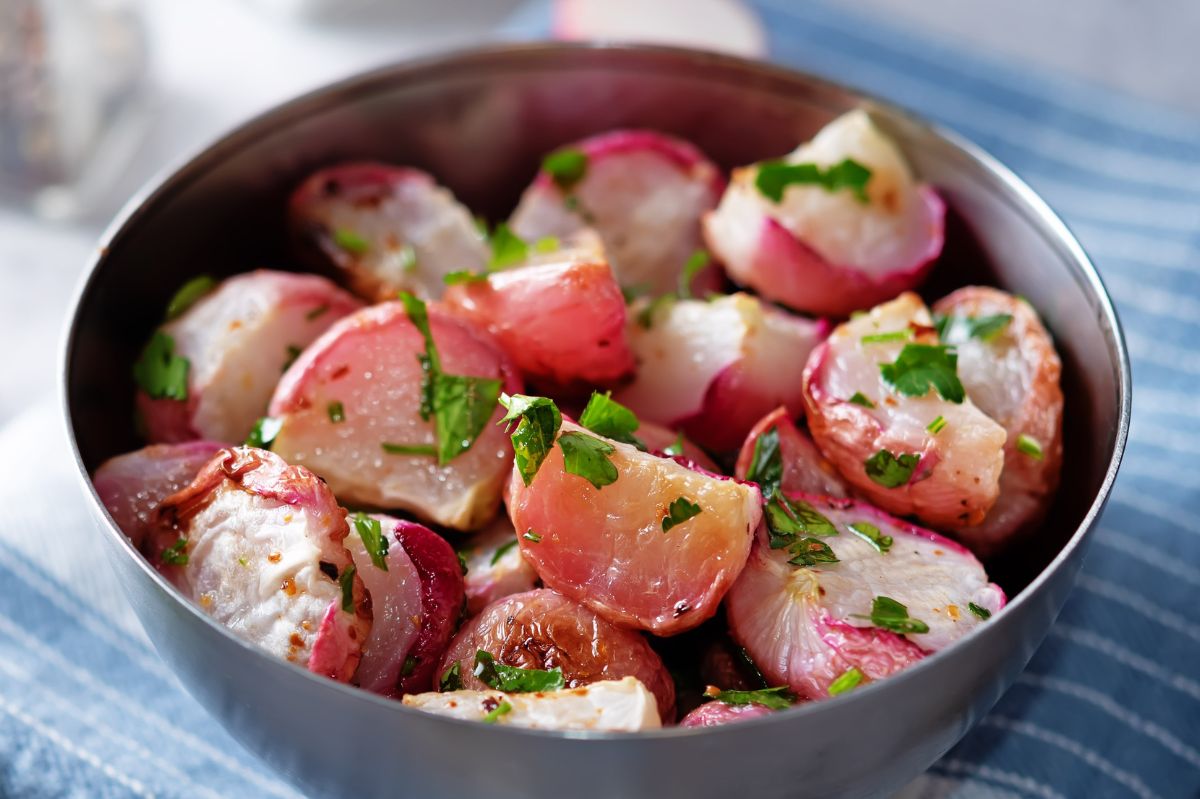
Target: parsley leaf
<point x="262" y="435"/>
<point x="187" y="295"/>
<point x="350" y="241"/>
<point x="810" y="552"/>
<point x="609" y="418"/>
<point x="535" y="433"/>
<point x="1028" y="445"/>
<point x="502" y="709"/>
<point x="464" y="276"/>
<point x="846" y="681"/>
<point x="530" y="535"/>
<point x="587" y="457"/>
<point x="176" y="554"/>
<point x="410" y="665"/>
<point x="418" y="314"/>
<point x="371" y="532"/>
<point x="346" y="581"/>
<point x="675" y="449"/>
<point x="887" y="338"/>
<point x="861" y="399"/>
<point x="889" y="614"/>
<point x="159" y="371"/>
<point x="631" y="293"/>
<point x="451" y="679"/>
<point x="679" y="512"/>
<point x="507" y="248"/>
<point x="984" y="328"/>
<point x="566" y="166"/>
<point x="774" y="698"/>
<point x="937" y="425"/>
<point x="408" y="449"/>
<point x="787" y="518"/>
<point x="512" y="679"/>
<point x="692" y="267"/>
<point x="890" y="470"/>
<point x="546" y="244"/>
<point x="293" y="352"/>
<point x="979" y="611"/>
<point x="408" y="259"/>
<point x="336" y="411"/>
<point x="920" y="366"/>
<point x="775" y="176"/>
<point x="872" y="535"/>
<point x="766" y="462"/>
<point x="501" y="551"/>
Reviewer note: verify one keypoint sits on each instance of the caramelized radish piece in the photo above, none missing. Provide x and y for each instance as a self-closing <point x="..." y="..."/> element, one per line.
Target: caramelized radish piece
<point x="237" y="341"/>
<point x="561" y="319"/>
<point x="495" y="566"/>
<point x="385" y="228"/>
<point x="670" y="443"/>
<point x="823" y="251"/>
<point x="1012" y="372"/>
<point x="923" y="456"/>
<point x="359" y="387"/>
<point x="714" y="368"/>
<point x="607" y="706"/>
<point x="608" y="548"/>
<point x="776" y="439"/>
<point x="714" y="714"/>
<point x="132" y="485"/>
<point x="544" y="630"/>
<point x="805" y="626"/>
<point x="643" y="192"/>
<point x="258" y="545"/>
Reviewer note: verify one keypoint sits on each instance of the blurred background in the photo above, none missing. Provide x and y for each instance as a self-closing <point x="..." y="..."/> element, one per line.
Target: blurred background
<point x="97" y="96"/>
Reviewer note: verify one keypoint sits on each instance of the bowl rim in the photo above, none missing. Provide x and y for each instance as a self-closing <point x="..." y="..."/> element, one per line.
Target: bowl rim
<point x="181" y="171"/>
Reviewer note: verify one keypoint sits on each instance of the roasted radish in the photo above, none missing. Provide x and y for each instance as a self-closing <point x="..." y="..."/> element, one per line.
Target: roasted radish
<point x="209" y="372"/>
<point x="643" y="192"/>
<point x="777" y="454"/>
<point x="1009" y="367"/>
<point x="495" y="566"/>
<point x="837" y="225"/>
<point x="837" y="592"/>
<point x="885" y="405"/>
<point x="385" y="228"/>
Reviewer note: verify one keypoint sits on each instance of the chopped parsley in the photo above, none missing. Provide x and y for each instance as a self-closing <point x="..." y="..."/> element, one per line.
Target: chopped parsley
<point x="889" y="614"/>
<point x="858" y="398"/>
<point x="675" y="449"/>
<point x="451" y="679"/>
<point x="515" y="680"/>
<point x="507" y="248"/>
<point x="176" y="554"/>
<point x="346" y="581"/>
<point x="187" y="295"/>
<point x="774" y="698"/>
<point x="317" y="313"/>
<point x="692" y="267"/>
<point x="502" y="709"/>
<point x="810" y="552"/>
<point x="848" y="680"/>
<point x="159" y="371"/>
<point x="566" y="167"/>
<point x="788" y="518"/>
<point x="263" y="434"/>
<point x="921" y="366"/>
<point x="501" y="551"/>
<point x="775" y="176"/>
<point x="588" y="457"/>
<point x="464" y="276"/>
<point x="376" y="543"/>
<point x="293" y="352"/>
<point x="631" y="293"/>
<point x="979" y="611"/>
<point x="410" y="665"/>
<point x="336" y="411"/>
<point x="987" y="328"/>
<point x="350" y="241"/>
<point x="530" y="535"/>
<point x="1028" y="445"/>
<point x="887" y="338"/>
<point x="766" y="462"/>
<point x="408" y="449"/>
<point x="679" y="512"/>
<point x="937" y="425"/>
<point x="646" y="316"/>
<point x="872" y="535"/>
<point x="408" y="259"/>
<point x="546" y="244"/>
<point x="609" y="418"/>
<point x="462" y="562"/>
<point x="535" y="432"/>
<point x="891" y="471"/>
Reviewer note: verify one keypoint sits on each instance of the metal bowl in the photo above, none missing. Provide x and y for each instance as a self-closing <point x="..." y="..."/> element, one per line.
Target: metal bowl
<point x="480" y="120"/>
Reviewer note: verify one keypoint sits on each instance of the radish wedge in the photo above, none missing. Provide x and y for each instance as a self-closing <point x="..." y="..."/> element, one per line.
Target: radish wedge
<point x="495" y="566"/>
<point x="714" y="714"/>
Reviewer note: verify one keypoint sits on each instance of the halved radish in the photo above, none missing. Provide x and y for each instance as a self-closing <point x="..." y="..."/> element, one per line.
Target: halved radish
<point x="806" y="626"/>
<point x="545" y="630"/>
<point x="644" y="193"/>
<point x="495" y="566"/>
<point x="778" y="447"/>
<point x="824" y="247"/>
<point x="914" y="443"/>
<point x="386" y="228"/>
<point x="350" y="409"/>
<point x="561" y="319"/>
<point x="209" y="373"/>
<point x="714" y="368"/>
<point x="673" y="444"/>
<point x="258" y="545"/>
<point x="132" y="485"/>
<point x="714" y="714"/>
<point x="656" y="548"/>
<point x="1008" y="364"/>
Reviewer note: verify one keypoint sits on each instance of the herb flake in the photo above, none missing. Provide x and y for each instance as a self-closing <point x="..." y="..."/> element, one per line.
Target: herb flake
<point x="350" y="241"/>
<point x="766" y="462"/>
<point x="512" y="679"/>
<point x="501" y="551"/>
<point x="370" y="530"/>
<point x="566" y="166"/>
<point x="887" y="338"/>
<point x="810" y="552"/>
<point x="336" y="411"/>
<point x="176" y="554"/>
<point x="188" y="294"/>
<point x="535" y="432"/>
<point x="346" y="581"/>
<point x="778" y="698"/>
<point x="159" y="371"/>
<point x="1028" y="445"/>
<point x="502" y="709"/>
<point x="872" y="535"/>
<point x="889" y="614"/>
<point x="693" y="266"/>
<point x="979" y="611"/>
<point x="263" y="434"/>
<point x="408" y="449"/>
<point x="679" y="512"/>
<point x="606" y="417"/>
<point x="775" y="176"/>
<point x="508" y="248"/>
<point x="889" y="470"/>
<point x="451" y="679"/>
<point x="919" y="367"/>
<point x="848" y="680"/>
<point x="859" y="398"/>
<point x="588" y="457"/>
<point x="937" y="425"/>
<point x="530" y="535"/>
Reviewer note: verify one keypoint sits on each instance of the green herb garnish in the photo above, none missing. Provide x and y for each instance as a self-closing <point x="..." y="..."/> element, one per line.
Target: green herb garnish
<point x="937" y="425"/>
<point x="502" y="709"/>
<point x="631" y="293"/>
<point x="534" y="434"/>
<point x="775" y="176"/>
<point x="984" y="328"/>
<point x="501" y="551"/>
<point x="588" y="457"/>
<point x="464" y="276"/>
<point x="921" y="366"/>
<point x="293" y="352"/>
<point x="462" y="562"/>
<point x="410" y="665"/>
<point x="679" y="512"/>
<point x="408" y="449"/>
<point x="546" y="244"/>
<point x="566" y="166"/>
<point x="530" y="535"/>
<point x="645" y="317"/>
<point x="187" y="295"/>
<point x="514" y="680"/>
<point x="159" y="371"/>
<point x="1028" y="445"/>
<point x="609" y="418"/>
<point x="346" y="581"/>
<point x="408" y="259"/>
<point x="774" y="698"/>
<point x="981" y="612"/>
<point x="890" y="470"/>
<point x="887" y="338"/>
<point x="788" y="518"/>
<point x="350" y="241"/>
<point x="451" y="679"/>
<point x="766" y="462"/>
<point x="336" y="411"/>
<point x="507" y="248"/>
<point x="176" y="554"/>
<point x="371" y="532"/>
<point x="675" y="449"/>
<point x="262" y="435"/>
<point x="810" y="552"/>
<point x="692" y="267"/>
<point x="889" y="614"/>
<point x="872" y="535"/>
<point x="861" y="399"/>
<point x="846" y="681"/>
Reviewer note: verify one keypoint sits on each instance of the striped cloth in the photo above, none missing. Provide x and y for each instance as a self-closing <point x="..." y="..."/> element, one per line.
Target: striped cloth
<point x="1110" y="705"/>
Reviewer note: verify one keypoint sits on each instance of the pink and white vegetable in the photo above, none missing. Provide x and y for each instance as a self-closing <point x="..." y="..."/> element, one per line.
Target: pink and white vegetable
<point x="1012" y="373"/>
<point x="544" y="630"/>
<point x="923" y="456"/>
<point x="665" y="441"/>
<point x="132" y="485"/>
<point x="714" y="714"/>
<point x="822" y="250"/>
<point x="607" y="706"/>
<point x="237" y="340"/>
<point x="385" y="228"/>
<point x="806" y="626"/>
<point x="804" y="467"/>
<point x="561" y="319"/>
<point x="358" y="388"/>
<point x="644" y="193"/>
<point x="715" y="368"/>
<point x="258" y="545"/>
<point x="495" y="566"/>
<point x="610" y="549"/>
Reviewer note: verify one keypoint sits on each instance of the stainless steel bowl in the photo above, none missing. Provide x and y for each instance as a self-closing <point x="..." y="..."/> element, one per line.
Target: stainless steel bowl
<point x="480" y="120"/>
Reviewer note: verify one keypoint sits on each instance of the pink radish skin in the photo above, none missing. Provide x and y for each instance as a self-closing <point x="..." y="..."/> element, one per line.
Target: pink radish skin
<point x="368" y="362"/>
<point x="659" y="439"/>
<point x="714" y="714"/>
<point x="644" y="192"/>
<point x="1014" y="379"/>
<point x="132" y="485"/>
<point x="486" y="581"/>
<point x="606" y="547"/>
<point x="803" y="626"/>
<point x="237" y="340"/>
<point x="804" y="468"/>
<point x="385" y="229"/>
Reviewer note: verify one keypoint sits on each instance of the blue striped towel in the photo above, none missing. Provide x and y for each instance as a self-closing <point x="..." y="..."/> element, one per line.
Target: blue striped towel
<point x="1110" y="705"/>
